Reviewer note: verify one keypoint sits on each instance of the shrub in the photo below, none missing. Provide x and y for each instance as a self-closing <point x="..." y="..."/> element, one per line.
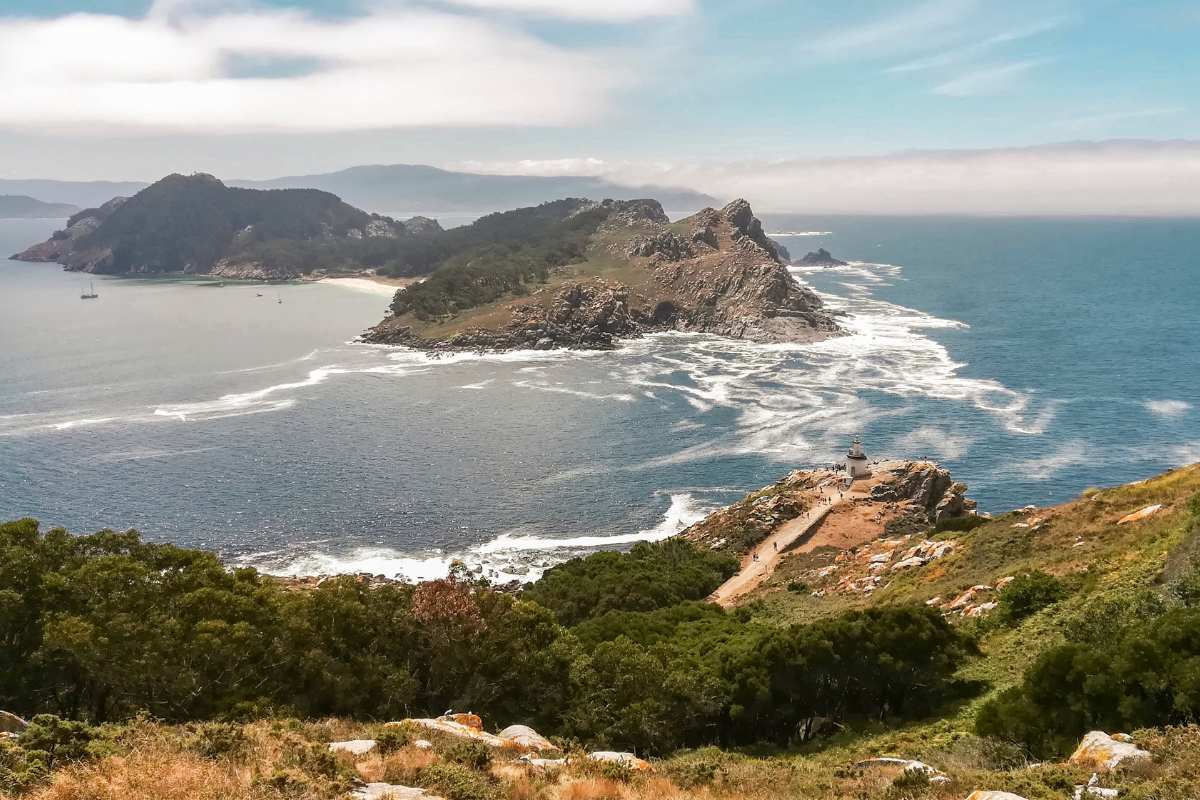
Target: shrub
<point x="467" y="752"/>
<point x="394" y="737"/>
<point x="456" y="782"/>
<point x="908" y="785"/>
<point x="960" y="524"/>
<point x="218" y="740"/>
<point x="1027" y="594"/>
<point x="799" y="587"/>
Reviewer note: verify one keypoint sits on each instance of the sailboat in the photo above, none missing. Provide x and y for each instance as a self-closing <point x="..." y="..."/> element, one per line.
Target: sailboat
<point x="90" y="294"/>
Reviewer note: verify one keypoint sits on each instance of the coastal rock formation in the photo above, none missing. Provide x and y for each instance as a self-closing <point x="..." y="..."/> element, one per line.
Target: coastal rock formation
<point x="821" y="258"/>
<point x="715" y="272"/>
<point x="925" y="486"/>
<point x="901" y="497"/>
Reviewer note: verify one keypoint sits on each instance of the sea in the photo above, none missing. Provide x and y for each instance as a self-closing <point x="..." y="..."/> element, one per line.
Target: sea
<point x="1032" y="357"/>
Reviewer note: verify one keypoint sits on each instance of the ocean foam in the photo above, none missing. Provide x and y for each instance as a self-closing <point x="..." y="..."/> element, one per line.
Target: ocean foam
<point x="1168" y="408"/>
<point x="508" y="557"/>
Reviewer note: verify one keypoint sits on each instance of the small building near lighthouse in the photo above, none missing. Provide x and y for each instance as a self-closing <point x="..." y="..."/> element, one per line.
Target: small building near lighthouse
<point x="856" y="460"/>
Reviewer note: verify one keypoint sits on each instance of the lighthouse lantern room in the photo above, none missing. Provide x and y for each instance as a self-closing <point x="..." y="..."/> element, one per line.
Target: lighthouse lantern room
<point x="856" y="460"/>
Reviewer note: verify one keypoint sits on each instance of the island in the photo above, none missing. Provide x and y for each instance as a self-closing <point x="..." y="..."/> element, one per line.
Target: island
<point x="609" y="271"/>
<point x="571" y="273"/>
<point x="19" y="206"/>
<point x="821" y="258"/>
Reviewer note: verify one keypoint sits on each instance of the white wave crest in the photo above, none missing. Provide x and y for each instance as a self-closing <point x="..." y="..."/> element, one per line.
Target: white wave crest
<point x="506" y="558"/>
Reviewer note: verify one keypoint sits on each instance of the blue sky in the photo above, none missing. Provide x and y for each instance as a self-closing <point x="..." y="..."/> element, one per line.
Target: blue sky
<point x="667" y="88"/>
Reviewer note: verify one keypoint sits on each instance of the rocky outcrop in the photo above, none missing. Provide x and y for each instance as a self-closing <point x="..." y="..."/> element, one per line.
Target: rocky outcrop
<point x="627" y="760"/>
<point x="980" y="794"/>
<point x="925" y="486"/>
<point x="11" y="723"/>
<point x="357" y="747"/>
<point x="526" y="738"/>
<point x="390" y="791"/>
<point x="821" y="258"/>
<point x="1103" y="753"/>
<point x="715" y="272"/>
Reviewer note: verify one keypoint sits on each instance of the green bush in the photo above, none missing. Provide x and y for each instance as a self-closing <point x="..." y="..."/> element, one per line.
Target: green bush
<point x="1027" y="594"/>
<point x="468" y="752"/>
<point x="393" y="737"/>
<point x="960" y="524"/>
<point x="1149" y="676"/>
<point x="650" y="576"/>
<point x="456" y="782"/>
<point x="217" y="740"/>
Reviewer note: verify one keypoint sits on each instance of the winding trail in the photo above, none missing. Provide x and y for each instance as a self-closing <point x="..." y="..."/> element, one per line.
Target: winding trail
<point x="772" y="549"/>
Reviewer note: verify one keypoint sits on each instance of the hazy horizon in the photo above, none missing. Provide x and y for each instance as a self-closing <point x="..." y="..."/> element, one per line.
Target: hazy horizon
<point x="920" y="106"/>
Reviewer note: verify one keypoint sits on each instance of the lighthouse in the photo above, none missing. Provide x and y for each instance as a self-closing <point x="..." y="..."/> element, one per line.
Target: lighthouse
<point x="856" y="460"/>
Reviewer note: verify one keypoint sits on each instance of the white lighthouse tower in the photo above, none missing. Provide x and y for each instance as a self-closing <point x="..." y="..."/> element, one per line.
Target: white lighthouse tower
<point x="856" y="460"/>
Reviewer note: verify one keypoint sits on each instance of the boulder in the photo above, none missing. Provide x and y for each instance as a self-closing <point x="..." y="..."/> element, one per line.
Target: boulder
<point x="423" y="744"/>
<point x="11" y="723"/>
<point x="390" y="791"/>
<point x="525" y="738"/>
<point x="985" y="795"/>
<point x="356" y="747"/>
<point x="628" y="760"/>
<point x="464" y="726"/>
<point x="900" y="764"/>
<point x="1100" y="752"/>
<point x="1140" y="514"/>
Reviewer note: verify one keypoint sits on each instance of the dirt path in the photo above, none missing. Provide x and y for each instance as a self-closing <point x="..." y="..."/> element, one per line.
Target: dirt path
<point x="772" y="549"/>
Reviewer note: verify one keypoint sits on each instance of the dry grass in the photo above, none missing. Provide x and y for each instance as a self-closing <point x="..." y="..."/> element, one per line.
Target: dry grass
<point x="157" y="764"/>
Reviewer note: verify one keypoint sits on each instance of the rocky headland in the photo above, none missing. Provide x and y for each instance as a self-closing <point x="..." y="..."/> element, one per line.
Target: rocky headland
<point x="820" y="258"/>
<point x="714" y="272"/>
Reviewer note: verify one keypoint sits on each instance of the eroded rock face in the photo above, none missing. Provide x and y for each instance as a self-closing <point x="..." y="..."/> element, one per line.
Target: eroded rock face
<point x="926" y="486"/>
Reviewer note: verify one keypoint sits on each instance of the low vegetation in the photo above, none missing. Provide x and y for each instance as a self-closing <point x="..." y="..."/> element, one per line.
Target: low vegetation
<point x="154" y="671"/>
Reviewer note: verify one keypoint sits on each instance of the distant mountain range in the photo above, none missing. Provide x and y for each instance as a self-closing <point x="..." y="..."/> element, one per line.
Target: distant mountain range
<point x="396" y="188"/>
<point x="19" y="206"/>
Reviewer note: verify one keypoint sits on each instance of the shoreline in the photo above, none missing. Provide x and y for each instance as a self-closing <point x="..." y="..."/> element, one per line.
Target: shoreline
<point x="374" y="284"/>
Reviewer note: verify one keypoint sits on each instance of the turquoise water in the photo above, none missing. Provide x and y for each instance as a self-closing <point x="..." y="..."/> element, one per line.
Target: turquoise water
<point x="1033" y="357"/>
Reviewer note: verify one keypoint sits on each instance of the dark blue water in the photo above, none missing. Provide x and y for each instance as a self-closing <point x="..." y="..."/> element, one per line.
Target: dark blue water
<point x="1033" y="357"/>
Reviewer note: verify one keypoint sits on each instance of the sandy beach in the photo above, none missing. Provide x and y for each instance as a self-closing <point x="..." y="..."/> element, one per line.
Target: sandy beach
<point x="374" y="284"/>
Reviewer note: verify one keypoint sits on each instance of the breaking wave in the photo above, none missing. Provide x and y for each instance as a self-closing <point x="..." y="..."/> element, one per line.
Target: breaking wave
<point x="508" y="557"/>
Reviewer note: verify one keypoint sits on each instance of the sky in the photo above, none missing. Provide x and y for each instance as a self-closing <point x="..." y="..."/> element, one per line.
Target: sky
<point x="909" y="106"/>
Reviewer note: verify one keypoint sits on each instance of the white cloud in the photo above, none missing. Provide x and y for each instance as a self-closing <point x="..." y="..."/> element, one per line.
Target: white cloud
<point x="536" y="166"/>
<point x="1115" y="177"/>
<point x="904" y="31"/>
<point x="959" y="54"/>
<point x="596" y="10"/>
<point x="170" y="70"/>
<point x="987" y="80"/>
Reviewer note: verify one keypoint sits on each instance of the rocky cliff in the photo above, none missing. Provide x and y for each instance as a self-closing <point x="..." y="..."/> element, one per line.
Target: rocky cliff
<point x="899" y="496"/>
<point x="714" y="272"/>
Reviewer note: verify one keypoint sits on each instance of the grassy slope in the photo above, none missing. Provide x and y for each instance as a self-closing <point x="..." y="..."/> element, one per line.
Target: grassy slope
<point x="1114" y="562"/>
